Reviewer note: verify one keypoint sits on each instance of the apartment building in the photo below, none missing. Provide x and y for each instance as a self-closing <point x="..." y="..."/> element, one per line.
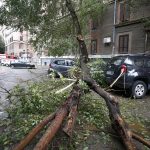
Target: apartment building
<point x="17" y="43"/>
<point x="122" y="30"/>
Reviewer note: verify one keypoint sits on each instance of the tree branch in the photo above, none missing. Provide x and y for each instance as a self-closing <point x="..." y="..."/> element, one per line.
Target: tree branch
<point x="118" y="124"/>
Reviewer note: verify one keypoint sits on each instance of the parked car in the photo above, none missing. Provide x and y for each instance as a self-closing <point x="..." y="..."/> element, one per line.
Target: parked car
<point x="9" y="61"/>
<point x="60" y="66"/>
<point x="3" y="62"/>
<point x="22" y="65"/>
<point x="136" y="79"/>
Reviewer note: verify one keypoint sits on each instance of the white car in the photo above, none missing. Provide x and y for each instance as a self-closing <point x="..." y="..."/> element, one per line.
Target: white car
<point x="7" y="62"/>
<point x="3" y="62"/>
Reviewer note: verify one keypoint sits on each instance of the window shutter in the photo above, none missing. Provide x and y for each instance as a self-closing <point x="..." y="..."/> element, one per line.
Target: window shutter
<point x="123" y="44"/>
<point x="93" y="47"/>
<point x="121" y="12"/>
<point x="120" y="44"/>
<point x="127" y="12"/>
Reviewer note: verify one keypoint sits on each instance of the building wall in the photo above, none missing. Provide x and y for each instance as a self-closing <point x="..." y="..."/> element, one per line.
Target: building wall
<point x="17" y="43"/>
<point x="103" y="30"/>
<point x="136" y="14"/>
<point x="136" y="37"/>
<point x="106" y="31"/>
<point x="132" y="27"/>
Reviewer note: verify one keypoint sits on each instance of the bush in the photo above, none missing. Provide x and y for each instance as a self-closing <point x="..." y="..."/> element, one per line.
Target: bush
<point x="97" y="71"/>
<point x="31" y="104"/>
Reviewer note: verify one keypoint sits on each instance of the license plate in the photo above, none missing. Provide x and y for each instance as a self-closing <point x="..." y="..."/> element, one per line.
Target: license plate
<point x="110" y="72"/>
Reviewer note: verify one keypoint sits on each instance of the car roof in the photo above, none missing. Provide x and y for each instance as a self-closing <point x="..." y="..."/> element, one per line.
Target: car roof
<point x="68" y="59"/>
<point x="132" y="55"/>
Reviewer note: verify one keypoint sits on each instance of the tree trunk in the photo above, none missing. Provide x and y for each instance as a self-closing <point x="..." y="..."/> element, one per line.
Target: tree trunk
<point x="34" y="132"/>
<point x="118" y="123"/>
<point x="55" y="121"/>
<point x="72" y="100"/>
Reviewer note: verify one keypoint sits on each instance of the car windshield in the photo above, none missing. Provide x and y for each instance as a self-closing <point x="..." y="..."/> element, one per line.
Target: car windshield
<point x="116" y="61"/>
<point x="22" y="62"/>
<point x="69" y="63"/>
<point x="128" y="61"/>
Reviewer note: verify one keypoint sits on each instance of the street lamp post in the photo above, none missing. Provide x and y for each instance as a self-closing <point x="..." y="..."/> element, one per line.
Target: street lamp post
<point x="114" y="29"/>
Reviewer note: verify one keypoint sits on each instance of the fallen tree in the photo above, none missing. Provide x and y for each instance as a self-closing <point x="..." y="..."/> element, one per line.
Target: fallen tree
<point x="118" y="123"/>
<point x="69" y="108"/>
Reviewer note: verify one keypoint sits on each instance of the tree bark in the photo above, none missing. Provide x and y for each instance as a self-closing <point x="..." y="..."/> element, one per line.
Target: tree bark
<point x="82" y="45"/>
<point x="118" y="124"/>
<point x="52" y="129"/>
<point x="23" y="143"/>
<point x="59" y="117"/>
<point x="140" y="139"/>
<point x="71" y="121"/>
<point x="55" y="120"/>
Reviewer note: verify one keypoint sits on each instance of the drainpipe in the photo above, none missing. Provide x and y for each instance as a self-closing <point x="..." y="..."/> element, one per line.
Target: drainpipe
<point x="114" y="29"/>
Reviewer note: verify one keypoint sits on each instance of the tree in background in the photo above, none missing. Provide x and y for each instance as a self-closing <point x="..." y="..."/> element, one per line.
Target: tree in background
<point x="2" y="45"/>
<point x="50" y="22"/>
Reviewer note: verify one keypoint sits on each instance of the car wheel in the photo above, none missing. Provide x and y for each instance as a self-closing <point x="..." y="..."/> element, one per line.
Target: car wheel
<point x="139" y="89"/>
<point x="12" y="66"/>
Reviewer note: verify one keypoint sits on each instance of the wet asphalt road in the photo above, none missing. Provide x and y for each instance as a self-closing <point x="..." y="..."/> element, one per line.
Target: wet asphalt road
<point x="12" y="77"/>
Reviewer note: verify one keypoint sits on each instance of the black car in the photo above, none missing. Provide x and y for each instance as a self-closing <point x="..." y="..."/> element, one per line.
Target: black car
<point x="22" y="65"/>
<point x="136" y="77"/>
<point x="61" y="66"/>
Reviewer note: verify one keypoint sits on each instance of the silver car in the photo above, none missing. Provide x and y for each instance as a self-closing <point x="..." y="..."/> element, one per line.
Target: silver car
<point x="60" y="66"/>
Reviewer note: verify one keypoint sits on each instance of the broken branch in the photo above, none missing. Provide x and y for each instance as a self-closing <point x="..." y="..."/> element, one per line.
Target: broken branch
<point x="140" y="139"/>
<point x="34" y="132"/>
<point x="59" y="117"/>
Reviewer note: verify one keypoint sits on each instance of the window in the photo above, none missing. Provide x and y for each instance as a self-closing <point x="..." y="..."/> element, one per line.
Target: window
<point x="21" y="38"/>
<point x="124" y="12"/>
<point x="139" y="62"/>
<point x="128" y="61"/>
<point x="20" y="46"/>
<point x="60" y="62"/>
<point x="116" y="61"/>
<point x="148" y="63"/>
<point x="11" y="39"/>
<point x="12" y="46"/>
<point x="123" y="44"/>
<point x="93" y="47"/>
<point x="94" y="24"/>
<point x="69" y="63"/>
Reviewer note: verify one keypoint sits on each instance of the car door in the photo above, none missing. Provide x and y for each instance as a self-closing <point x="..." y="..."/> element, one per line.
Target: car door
<point x="68" y="65"/>
<point x="113" y="68"/>
<point x="18" y="64"/>
<point x="22" y="64"/>
<point x="59" y="65"/>
<point x="147" y="68"/>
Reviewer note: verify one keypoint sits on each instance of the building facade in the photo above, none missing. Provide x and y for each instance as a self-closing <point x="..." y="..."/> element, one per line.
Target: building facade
<point x="122" y="30"/>
<point x="17" y="43"/>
